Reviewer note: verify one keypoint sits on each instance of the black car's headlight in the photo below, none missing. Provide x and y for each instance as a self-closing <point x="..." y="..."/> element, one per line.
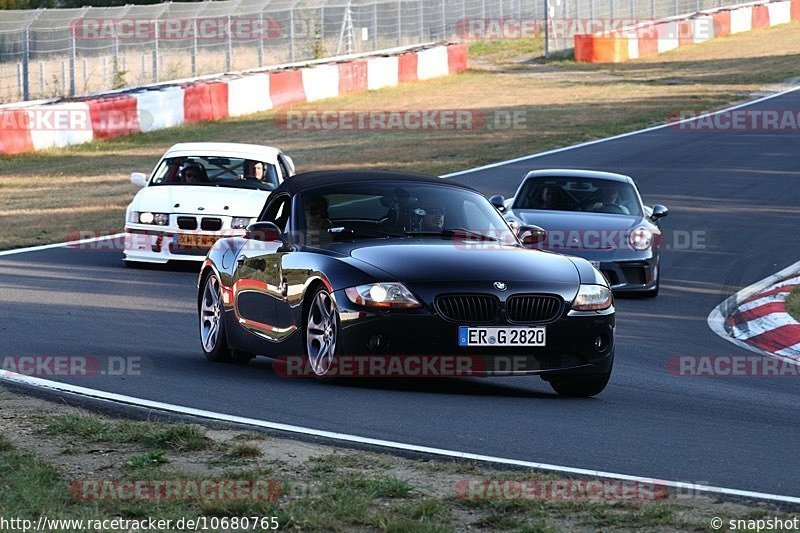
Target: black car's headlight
<point x="593" y="298"/>
<point x="146" y="217"/>
<point x="641" y="239"/>
<point x="240" y="222"/>
<point x="384" y="295"/>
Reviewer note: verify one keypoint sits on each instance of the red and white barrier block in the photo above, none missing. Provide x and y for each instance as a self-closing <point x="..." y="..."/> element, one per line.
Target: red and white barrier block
<point x="146" y="109"/>
<point x="659" y="36"/>
<point x="757" y="318"/>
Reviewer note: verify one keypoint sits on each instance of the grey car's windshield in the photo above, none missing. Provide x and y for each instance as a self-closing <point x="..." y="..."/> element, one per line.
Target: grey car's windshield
<point x="397" y="209"/>
<point x="579" y="194"/>
<point x="217" y="171"/>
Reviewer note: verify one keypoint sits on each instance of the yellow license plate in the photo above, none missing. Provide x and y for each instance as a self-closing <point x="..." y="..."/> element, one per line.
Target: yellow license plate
<point x="197" y="241"/>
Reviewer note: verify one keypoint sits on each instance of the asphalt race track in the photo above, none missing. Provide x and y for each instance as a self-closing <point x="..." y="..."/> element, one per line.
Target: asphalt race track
<point x="738" y="189"/>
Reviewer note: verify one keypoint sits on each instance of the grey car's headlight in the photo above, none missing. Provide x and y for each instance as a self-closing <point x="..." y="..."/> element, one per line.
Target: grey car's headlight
<point x="240" y="222"/>
<point x="593" y="298"/>
<point x="641" y="239"/>
<point x="385" y="295"/>
<point x="146" y="217"/>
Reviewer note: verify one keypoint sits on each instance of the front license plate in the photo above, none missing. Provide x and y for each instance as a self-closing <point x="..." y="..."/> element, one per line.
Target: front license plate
<point x="197" y="241"/>
<point x="468" y="336"/>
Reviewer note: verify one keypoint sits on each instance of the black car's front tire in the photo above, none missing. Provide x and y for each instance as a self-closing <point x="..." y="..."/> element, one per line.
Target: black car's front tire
<point x="321" y="330"/>
<point x="581" y="385"/>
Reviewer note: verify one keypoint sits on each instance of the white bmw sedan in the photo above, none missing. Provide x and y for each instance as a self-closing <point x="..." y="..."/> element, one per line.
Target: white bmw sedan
<point x="198" y="193"/>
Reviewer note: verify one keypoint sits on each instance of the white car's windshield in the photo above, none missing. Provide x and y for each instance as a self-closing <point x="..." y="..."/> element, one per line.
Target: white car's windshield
<point x="579" y="194"/>
<point x="216" y="171"/>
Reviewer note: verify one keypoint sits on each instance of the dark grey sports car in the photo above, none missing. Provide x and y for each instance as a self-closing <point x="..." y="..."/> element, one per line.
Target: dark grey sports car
<point x="595" y="215"/>
<point x="391" y="265"/>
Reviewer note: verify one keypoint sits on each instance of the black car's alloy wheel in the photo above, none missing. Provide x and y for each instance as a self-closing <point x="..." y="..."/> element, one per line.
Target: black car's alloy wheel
<point x="322" y="332"/>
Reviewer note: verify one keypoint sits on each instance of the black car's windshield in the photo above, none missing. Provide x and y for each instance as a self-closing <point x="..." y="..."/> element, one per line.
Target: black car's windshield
<point x="398" y="209"/>
<point x="216" y="171"/>
<point x="579" y="194"/>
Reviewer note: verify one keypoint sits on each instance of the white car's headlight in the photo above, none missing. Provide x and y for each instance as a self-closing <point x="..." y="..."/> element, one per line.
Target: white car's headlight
<point x="240" y="222"/>
<point x="641" y="239"/>
<point x="146" y="217"/>
<point x="386" y="295"/>
<point x="592" y="298"/>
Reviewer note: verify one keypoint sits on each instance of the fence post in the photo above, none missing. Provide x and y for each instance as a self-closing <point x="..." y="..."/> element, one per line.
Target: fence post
<point x="444" y="20"/>
<point x="653" y="9"/>
<point x="26" y="58"/>
<point x="421" y="21"/>
<point x="260" y="50"/>
<point x="72" y="57"/>
<point x="115" y="60"/>
<point x="41" y="77"/>
<point x="194" y="47"/>
<point x="399" y="22"/>
<point x="63" y="78"/>
<point x="291" y="36"/>
<point x="677" y="7"/>
<point x="547" y="28"/>
<point x="155" y="52"/>
<point x="229" y="47"/>
<point x="375" y="26"/>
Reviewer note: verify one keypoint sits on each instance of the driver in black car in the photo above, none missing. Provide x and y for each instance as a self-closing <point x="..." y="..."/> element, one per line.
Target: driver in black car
<point x="317" y="221"/>
<point x="433" y="214"/>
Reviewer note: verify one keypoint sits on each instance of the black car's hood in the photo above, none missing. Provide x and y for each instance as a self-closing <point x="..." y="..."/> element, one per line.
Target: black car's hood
<point x="432" y="259"/>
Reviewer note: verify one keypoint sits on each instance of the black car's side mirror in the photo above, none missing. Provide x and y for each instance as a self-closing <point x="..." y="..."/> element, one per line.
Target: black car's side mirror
<point x="659" y="211"/>
<point x="498" y="202"/>
<point x="530" y="236"/>
<point x="263" y="232"/>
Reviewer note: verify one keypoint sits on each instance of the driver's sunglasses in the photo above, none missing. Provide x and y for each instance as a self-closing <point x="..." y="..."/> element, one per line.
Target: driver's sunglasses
<point x="434" y="211"/>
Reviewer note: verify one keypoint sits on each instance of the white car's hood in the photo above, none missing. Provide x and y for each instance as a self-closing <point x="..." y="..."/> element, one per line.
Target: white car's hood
<point x="200" y="200"/>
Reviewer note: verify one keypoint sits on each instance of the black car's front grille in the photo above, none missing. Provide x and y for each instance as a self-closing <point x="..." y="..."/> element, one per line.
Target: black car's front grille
<point x="533" y="308"/>
<point x="468" y="307"/>
<point x="187" y="222"/>
<point x="211" y="224"/>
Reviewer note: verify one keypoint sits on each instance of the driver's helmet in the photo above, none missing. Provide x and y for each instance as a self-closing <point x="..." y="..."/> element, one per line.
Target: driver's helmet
<point x="193" y="172"/>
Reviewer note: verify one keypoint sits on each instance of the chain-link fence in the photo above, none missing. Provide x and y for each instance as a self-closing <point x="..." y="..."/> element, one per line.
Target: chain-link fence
<point x="66" y="52"/>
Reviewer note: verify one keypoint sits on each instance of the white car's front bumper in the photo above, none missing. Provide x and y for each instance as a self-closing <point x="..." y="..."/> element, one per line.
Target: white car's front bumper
<point x="161" y="245"/>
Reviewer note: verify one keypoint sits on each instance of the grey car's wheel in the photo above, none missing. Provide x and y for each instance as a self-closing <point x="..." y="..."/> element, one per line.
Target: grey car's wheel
<point x="212" y="327"/>
<point x="321" y="332"/>
<point x="581" y="386"/>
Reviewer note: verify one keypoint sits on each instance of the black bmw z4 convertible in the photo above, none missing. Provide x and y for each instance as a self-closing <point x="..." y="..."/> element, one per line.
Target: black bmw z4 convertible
<point x="367" y="264"/>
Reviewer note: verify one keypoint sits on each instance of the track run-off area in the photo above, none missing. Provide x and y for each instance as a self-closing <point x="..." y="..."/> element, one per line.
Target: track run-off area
<point x="733" y="200"/>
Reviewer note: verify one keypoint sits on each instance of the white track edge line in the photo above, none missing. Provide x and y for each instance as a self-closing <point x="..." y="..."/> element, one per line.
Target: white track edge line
<point x="718" y="315"/>
<point x="59" y="245"/>
<point x="622" y="135"/>
<point x="119" y="398"/>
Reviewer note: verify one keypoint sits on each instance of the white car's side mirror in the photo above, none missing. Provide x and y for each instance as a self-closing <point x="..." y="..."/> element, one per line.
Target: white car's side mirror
<point x="139" y="179"/>
<point x="290" y="162"/>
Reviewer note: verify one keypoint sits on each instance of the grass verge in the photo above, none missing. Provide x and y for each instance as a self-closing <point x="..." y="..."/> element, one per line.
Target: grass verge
<point x="49" y="196"/>
<point x="793" y="303"/>
<point x="56" y="452"/>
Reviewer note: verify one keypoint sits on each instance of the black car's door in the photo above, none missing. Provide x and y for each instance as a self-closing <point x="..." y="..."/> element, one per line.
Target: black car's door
<point x="260" y="288"/>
